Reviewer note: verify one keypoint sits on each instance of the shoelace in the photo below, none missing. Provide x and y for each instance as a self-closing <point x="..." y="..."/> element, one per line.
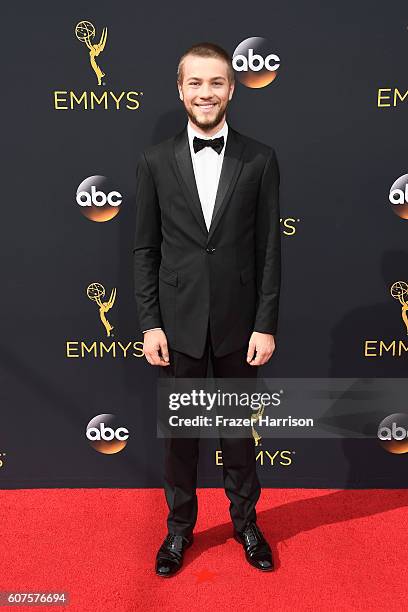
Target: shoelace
<point x="175" y="541"/>
<point x="251" y="534"/>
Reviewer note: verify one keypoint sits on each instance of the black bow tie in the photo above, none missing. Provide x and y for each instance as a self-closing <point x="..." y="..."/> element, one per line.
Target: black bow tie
<point x="216" y="143"/>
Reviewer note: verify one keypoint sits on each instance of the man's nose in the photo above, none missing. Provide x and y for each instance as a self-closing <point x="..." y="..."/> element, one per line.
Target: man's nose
<point x="205" y="91"/>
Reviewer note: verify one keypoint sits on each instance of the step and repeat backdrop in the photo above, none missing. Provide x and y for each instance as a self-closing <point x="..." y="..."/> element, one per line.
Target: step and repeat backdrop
<point x="85" y="90"/>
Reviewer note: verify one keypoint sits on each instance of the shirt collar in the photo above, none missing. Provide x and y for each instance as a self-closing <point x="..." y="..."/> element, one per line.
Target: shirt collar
<point x="192" y="132"/>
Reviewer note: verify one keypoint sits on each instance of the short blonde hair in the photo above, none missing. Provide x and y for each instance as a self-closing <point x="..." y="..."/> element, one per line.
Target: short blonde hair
<point x="206" y="49"/>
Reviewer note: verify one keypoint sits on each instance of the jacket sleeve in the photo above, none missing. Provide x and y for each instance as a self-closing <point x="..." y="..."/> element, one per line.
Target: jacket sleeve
<point x="268" y="249"/>
<point x="147" y="248"/>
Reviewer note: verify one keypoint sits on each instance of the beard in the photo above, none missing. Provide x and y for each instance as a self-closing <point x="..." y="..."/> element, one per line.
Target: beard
<point x="208" y="124"/>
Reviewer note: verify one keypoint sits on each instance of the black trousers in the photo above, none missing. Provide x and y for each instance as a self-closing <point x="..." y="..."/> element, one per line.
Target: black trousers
<point x="241" y="482"/>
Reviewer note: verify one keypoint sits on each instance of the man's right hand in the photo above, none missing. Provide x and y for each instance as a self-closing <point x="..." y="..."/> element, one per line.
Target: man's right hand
<point x="155" y="347"/>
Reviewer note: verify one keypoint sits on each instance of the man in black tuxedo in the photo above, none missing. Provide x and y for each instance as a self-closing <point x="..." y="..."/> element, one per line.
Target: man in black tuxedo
<point x="207" y="281"/>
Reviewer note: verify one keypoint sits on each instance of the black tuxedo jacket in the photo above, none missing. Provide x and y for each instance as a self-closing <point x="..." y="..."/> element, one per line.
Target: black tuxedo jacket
<point x="186" y="276"/>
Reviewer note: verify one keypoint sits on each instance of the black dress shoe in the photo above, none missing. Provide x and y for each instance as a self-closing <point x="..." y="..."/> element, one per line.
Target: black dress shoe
<point x="169" y="558"/>
<point x="257" y="550"/>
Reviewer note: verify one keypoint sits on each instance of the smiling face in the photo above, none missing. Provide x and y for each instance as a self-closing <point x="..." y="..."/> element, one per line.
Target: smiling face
<point x="205" y="91"/>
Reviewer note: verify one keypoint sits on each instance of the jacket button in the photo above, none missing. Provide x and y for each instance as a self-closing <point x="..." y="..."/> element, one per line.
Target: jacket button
<point x="210" y="249"/>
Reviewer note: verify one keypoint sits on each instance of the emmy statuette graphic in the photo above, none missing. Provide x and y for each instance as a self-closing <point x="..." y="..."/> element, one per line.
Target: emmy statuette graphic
<point x="399" y="291"/>
<point x="255" y="418"/>
<point x="95" y="292"/>
<point x="85" y="32"/>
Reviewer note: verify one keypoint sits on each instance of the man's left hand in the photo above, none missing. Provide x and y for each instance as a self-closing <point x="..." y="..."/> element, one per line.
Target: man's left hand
<point x="261" y="344"/>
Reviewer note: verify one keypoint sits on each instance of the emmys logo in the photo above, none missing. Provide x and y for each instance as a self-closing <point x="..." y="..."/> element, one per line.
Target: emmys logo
<point x="96" y="292"/>
<point x="273" y="459"/>
<point x="97" y="199"/>
<point x="393" y="433"/>
<point x="387" y="97"/>
<point x="105" y="436"/>
<point x="399" y="196"/>
<point x="289" y="225"/>
<point x="255" y="67"/>
<point x="67" y="99"/>
<point x="97" y="348"/>
<point x="85" y="33"/>
<point x="397" y="348"/>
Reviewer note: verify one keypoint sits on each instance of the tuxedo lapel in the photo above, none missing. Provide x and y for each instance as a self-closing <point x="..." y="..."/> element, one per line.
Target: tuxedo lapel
<point x="231" y="167"/>
<point x="186" y="176"/>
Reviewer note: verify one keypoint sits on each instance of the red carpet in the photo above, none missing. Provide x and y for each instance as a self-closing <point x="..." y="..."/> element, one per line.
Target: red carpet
<point x="340" y="550"/>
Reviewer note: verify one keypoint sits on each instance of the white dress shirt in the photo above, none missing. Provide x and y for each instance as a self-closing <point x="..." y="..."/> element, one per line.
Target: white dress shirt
<point x="207" y="165"/>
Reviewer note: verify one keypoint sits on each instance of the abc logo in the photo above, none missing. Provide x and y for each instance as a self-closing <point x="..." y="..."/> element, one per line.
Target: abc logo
<point x="105" y="435"/>
<point x="97" y="198"/>
<point x="254" y="64"/>
<point x="393" y="433"/>
<point x="399" y="196"/>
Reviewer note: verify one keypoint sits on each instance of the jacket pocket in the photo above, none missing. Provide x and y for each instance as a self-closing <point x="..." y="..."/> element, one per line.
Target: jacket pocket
<point x="168" y="276"/>
<point x="247" y="273"/>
